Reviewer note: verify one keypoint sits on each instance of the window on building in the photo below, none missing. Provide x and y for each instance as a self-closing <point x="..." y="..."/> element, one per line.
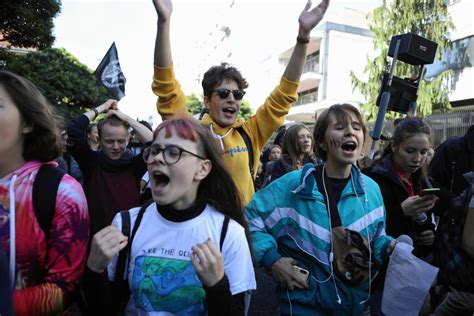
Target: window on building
<point x="312" y="63"/>
<point x="308" y="96"/>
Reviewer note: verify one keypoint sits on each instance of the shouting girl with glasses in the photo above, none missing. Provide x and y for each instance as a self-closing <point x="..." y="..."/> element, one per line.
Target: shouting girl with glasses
<point x="189" y="253"/>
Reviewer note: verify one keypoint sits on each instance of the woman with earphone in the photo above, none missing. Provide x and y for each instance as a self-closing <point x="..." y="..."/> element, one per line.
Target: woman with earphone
<point x="297" y="222"/>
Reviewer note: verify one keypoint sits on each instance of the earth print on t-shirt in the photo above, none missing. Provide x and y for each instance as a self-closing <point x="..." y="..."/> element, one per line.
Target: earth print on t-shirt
<point x="167" y="285"/>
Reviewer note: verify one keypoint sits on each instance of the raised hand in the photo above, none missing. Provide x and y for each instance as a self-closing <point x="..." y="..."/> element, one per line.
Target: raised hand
<point x="108" y="105"/>
<point x="310" y="18"/>
<point x="122" y="116"/>
<point x="105" y="245"/>
<point x="208" y="262"/>
<point x="163" y="9"/>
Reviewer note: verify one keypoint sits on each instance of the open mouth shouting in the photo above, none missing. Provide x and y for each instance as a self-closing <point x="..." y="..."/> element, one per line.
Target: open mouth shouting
<point x="159" y="181"/>
<point x="349" y="146"/>
<point x="229" y="111"/>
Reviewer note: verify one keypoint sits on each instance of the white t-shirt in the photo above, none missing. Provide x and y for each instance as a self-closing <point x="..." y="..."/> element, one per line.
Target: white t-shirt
<point x="161" y="276"/>
<point x="146" y="179"/>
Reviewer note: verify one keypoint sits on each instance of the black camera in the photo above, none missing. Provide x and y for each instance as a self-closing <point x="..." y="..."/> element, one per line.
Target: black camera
<point x="413" y="50"/>
<point x="402" y="93"/>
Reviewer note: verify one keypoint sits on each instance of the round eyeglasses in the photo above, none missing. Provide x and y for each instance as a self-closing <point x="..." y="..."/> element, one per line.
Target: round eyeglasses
<point x="171" y="154"/>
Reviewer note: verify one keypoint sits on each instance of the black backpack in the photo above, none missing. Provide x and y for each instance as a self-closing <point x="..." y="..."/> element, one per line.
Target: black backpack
<point x="45" y="189"/>
<point x="456" y="267"/>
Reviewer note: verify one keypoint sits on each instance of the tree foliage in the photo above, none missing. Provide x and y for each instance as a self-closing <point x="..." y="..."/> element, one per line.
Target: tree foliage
<point x="195" y="106"/>
<point x="67" y="84"/>
<point x="29" y="23"/>
<point x="426" y="18"/>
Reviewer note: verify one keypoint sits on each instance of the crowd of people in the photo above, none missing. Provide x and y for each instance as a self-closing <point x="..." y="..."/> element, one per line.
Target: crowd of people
<point x="209" y="217"/>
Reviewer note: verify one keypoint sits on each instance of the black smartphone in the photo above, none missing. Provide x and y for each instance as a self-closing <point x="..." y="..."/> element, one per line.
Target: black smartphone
<point x="431" y="191"/>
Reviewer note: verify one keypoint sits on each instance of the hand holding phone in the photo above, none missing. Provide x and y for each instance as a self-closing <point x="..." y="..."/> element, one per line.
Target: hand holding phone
<point x="302" y="272"/>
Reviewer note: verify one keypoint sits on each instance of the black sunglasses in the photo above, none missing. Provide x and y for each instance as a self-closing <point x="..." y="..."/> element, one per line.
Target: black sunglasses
<point x="224" y="93"/>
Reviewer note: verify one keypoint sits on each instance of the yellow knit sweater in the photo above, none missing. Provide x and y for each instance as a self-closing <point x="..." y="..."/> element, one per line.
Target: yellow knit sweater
<point x="269" y="116"/>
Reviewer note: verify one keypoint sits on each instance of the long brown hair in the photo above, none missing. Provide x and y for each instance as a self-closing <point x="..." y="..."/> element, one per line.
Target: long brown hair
<point x="43" y="143"/>
<point x="406" y="128"/>
<point x="291" y="145"/>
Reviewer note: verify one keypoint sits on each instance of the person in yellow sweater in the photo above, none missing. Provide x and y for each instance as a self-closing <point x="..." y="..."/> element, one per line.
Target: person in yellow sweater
<point x="224" y="88"/>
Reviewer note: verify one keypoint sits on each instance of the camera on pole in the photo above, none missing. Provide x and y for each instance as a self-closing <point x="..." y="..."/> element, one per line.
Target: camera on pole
<point x="400" y="94"/>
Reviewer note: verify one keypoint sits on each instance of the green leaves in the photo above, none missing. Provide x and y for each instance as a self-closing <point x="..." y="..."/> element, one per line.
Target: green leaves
<point x="67" y="84"/>
<point x="29" y="23"/>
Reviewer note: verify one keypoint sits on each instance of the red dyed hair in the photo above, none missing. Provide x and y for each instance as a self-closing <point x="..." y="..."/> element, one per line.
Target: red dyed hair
<point x="186" y="128"/>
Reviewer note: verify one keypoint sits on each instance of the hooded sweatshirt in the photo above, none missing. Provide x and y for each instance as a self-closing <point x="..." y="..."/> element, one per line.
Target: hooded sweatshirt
<point x="259" y="128"/>
<point x="44" y="273"/>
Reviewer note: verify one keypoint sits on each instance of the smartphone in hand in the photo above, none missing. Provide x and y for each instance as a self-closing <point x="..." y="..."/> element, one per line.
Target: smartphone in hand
<point x="428" y="191"/>
<point x="304" y="273"/>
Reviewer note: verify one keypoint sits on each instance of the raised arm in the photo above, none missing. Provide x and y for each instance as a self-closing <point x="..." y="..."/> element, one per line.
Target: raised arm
<point x="162" y="56"/>
<point x="103" y="108"/>
<point x="142" y="131"/>
<point x="307" y="21"/>
<point x="171" y="99"/>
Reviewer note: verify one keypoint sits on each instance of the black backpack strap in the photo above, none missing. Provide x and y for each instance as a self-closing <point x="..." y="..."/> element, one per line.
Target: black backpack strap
<point x="225" y="225"/>
<point x="248" y="143"/>
<point x="45" y="189"/>
<point x="139" y="220"/>
<point x="122" y="257"/>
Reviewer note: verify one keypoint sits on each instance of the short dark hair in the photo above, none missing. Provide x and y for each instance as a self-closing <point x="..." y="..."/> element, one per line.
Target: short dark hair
<point x="218" y="74"/>
<point x="408" y="127"/>
<point x="275" y="146"/>
<point x="43" y="143"/>
<point x="341" y="113"/>
<point x="112" y="121"/>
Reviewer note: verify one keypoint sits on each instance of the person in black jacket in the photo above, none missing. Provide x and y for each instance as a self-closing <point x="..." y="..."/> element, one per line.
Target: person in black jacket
<point x="401" y="175"/>
<point x="452" y="159"/>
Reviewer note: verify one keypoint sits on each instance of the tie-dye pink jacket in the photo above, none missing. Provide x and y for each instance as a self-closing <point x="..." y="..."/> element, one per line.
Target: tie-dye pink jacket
<point x="47" y="272"/>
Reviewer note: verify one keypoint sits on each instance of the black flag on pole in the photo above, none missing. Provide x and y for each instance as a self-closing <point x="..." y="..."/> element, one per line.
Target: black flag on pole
<point x="110" y="75"/>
